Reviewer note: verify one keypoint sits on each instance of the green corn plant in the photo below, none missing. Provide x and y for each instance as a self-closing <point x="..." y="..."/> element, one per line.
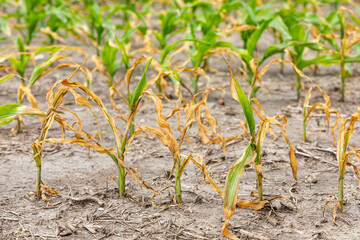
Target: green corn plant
<point x="338" y="54"/>
<point x="297" y="50"/>
<point x="166" y="57"/>
<point x="100" y="22"/>
<point x="62" y="20"/>
<point x="20" y="64"/>
<point x="258" y="19"/>
<point x="251" y="154"/>
<point x="30" y="13"/>
<point x="108" y="55"/>
<point x="168" y="23"/>
<point x="109" y="59"/>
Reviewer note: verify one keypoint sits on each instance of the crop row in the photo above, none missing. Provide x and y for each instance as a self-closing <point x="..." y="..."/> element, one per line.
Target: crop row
<point x="304" y="33"/>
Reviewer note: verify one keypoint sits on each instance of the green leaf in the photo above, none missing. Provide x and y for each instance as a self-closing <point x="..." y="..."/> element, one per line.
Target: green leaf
<point x="278" y="24"/>
<point x="253" y="40"/>
<point x="246" y="106"/>
<point x="171" y="47"/>
<point x="41" y="67"/>
<point x="108" y="57"/>
<point x="326" y="60"/>
<point x="9" y="112"/>
<point x="141" y="85"/>
<point x="3" y="79"/>
<point x="124" y="58"/>
<point x="233" y="177"/>
<point x="271" y="50"/>
<point x="352" y="59"/>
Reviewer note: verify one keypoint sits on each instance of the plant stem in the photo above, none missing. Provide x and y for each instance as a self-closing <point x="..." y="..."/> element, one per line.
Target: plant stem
<point x="38" y="181"/>
<point x="281" y="63"/>
<point x="195" y="83"/>
<point x="341" y="193"/>
<point x="121" y="180"/>
<point x="177" y="180"/>
<point x="343" y="80"/>
<point x="304" y="130"/>
<point x="298" y="86"/>
<point x="132" y="129"/>
<point x="37" y="158"/>
<point x="259" y="186"/>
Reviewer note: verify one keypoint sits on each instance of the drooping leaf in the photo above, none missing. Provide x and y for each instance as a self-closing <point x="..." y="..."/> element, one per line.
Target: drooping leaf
<point x="9" y="112"/>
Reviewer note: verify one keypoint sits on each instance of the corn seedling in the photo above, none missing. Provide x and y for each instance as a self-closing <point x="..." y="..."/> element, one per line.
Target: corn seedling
<point x="297" y="51"/>
<point x="346" y="131"/>
<point x="100" y="22"/>
<point x="30" y="13"/>
<point x="43" y="68"/>
<point x="169" y="21"/>
<point x="108" y="57"/>
<point x="308" y="110"/>
<point x="165" y="134"/>
<point x="20" y="64"/>
<point x="130" y="98"/>
<point x="346" y="32"/>
<point x="251" y="154"/>
<point x="61" y="16"/>
<point x="54" y="101"/>
<point x="339" y="55"/>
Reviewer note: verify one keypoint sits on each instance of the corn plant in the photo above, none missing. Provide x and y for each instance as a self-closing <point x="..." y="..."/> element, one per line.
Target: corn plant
<point x="168" y="23"/>
<point x="257" y="20"/>
<point x="309" y="109"/>
<point x="337" y="54"/>
<point x="61" y="16"/>
<point x="39" y="70"/>
<point x="347" y="43"/>
<point x="346" y="131"/>
<point x="297" y="50"/>
<point x="251" y="154"/>
<point x="109" y="51"/>
<point x="54" y="101"/>
<point x="30" y="13"/>
<point x="166" y="136"/>
<point x="109" y="59"/>
<point x="20" y="64"/>
<point x="100" y="22"/>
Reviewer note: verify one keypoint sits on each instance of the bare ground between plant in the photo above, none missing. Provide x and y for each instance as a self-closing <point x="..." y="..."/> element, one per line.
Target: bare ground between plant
<point x="88" y="206"/>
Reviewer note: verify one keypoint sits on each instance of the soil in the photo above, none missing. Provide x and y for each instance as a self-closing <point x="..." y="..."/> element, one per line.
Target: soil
<point x="88" y="205"/>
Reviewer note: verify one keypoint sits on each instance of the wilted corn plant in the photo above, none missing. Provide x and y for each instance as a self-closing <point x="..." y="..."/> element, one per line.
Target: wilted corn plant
<point x="54" y="101"/>
<point x="251" y="154"/>
<point x="346" y="32"/>
<point x="309" y="109"/>
<point x="167" y="138"/>
<point x="130" y="96"/>
<point x="346" y="131"/>
<point x="39" y="70"/>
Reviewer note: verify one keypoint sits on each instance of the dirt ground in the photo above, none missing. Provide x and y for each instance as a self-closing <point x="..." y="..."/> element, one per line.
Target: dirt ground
<point x="88" y="206"/>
